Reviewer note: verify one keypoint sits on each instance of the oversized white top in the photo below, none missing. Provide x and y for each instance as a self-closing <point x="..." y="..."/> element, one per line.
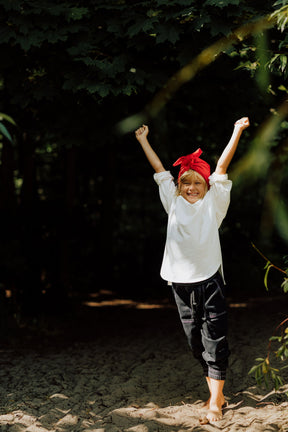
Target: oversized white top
<point x="192" y="251"/>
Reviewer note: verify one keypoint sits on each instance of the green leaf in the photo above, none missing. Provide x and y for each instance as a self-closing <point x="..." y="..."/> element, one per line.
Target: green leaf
<point x="278" y="338"/>
<point x="140" y="27"/>
<point x="284" y="367"/>
<point x="5" y="132"/>
<point x="76" y="13"/>
<point x="167" y="33"/>
<point x="284" y="285"/>
<point x="8" y="118"/>
<point x="283" y="61"/>
<point x="279" y="2"/>
<point x="266" y="275"/>
<point x="265" y="368"/>
<point x="282" y="17"/>
<point x="253" y="369"/>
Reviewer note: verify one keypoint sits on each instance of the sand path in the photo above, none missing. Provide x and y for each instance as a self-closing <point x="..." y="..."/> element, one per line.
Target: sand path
<point x="125" y="369"/>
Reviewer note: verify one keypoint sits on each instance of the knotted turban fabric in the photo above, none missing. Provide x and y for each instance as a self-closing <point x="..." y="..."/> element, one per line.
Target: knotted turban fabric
<point x="193" y="161"/>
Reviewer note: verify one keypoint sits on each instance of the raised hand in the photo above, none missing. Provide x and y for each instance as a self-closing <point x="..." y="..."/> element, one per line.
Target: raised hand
<point x="243" y="123"/>
<point x="141" y="133"/>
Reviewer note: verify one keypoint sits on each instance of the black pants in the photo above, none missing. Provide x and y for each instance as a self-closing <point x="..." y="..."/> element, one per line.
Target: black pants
<point x="202" y="310"/>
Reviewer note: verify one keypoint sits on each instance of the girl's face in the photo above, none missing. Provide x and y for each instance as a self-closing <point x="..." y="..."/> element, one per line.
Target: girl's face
<point x="193" y="189"/>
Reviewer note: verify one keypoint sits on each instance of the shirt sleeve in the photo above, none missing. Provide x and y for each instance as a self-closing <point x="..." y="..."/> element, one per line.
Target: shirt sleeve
<point x="220" y="188"/>
<point x="167" y="188"/>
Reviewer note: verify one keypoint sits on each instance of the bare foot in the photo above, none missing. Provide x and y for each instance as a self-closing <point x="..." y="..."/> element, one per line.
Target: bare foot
<point x="214" y="414"/>
<point x="206" y="405"/>
<point x="216" y="400"/>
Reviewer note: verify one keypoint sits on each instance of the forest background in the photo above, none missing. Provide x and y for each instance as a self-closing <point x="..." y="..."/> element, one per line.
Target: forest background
<point x="80" y="211"/>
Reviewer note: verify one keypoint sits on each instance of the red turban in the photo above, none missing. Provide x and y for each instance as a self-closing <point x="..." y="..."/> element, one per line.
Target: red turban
<point x="193" y="162"/>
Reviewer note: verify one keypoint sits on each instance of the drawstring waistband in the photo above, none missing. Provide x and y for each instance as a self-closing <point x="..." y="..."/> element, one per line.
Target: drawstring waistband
<point x="193" y="298"/>
<point x="197" y="283"/>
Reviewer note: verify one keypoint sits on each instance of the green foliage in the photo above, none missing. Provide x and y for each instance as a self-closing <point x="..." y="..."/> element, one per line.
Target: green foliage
<point x="285" y="284"/>
<point x="3" y="129"/>
<point x="69" y="72"/>
<point x="282" y="351"/>
<point x="93" y="48"/>
<point x="281" y="15"/>
<point x="262" y="57"/>
<point x="5" y="132"/>
<point x="263" y="371"/>
<point x="278" y="63"/>
<point x="267" y="267"/>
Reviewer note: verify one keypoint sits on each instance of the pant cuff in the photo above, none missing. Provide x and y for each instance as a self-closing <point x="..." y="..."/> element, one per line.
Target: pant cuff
<point x="216" y="374"/>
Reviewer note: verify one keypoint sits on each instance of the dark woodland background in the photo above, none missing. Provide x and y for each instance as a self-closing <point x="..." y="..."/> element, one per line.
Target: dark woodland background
<point x="80" y="211"/>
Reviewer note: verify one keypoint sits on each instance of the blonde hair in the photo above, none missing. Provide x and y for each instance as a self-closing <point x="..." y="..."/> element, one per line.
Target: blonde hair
<point x="190" y="175"/>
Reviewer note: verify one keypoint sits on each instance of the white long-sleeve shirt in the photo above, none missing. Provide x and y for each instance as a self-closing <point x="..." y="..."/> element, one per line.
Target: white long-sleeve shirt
<point x="192" y="251"/>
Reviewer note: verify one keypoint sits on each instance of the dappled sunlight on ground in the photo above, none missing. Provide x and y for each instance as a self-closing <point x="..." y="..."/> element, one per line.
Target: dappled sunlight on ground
<point x="134" y="373"/>
<point x="105" y="298"/>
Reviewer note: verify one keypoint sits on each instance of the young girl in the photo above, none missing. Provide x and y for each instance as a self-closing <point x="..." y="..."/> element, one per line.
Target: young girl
<point x="192" y="260"/>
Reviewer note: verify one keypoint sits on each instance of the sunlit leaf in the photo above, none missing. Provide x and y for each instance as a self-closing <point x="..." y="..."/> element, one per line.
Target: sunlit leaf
<point x="284" y="285"/>
<point x="8" y="118"/>
<point x="266" y="276"/>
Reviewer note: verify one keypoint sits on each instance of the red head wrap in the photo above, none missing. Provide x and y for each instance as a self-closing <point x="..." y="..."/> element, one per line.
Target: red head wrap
<point x="193" y="162"/>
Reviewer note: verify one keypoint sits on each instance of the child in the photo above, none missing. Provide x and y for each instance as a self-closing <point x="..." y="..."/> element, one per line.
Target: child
<point x="192" y="260"/>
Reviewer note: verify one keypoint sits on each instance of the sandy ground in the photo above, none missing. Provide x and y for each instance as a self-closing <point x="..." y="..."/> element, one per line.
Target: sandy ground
<point x="127" y="368"/>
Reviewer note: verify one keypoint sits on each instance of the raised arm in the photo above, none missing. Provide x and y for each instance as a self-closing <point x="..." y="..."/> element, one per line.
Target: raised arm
<point x="231" y="147"/>
<point x="155" y="162"/>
